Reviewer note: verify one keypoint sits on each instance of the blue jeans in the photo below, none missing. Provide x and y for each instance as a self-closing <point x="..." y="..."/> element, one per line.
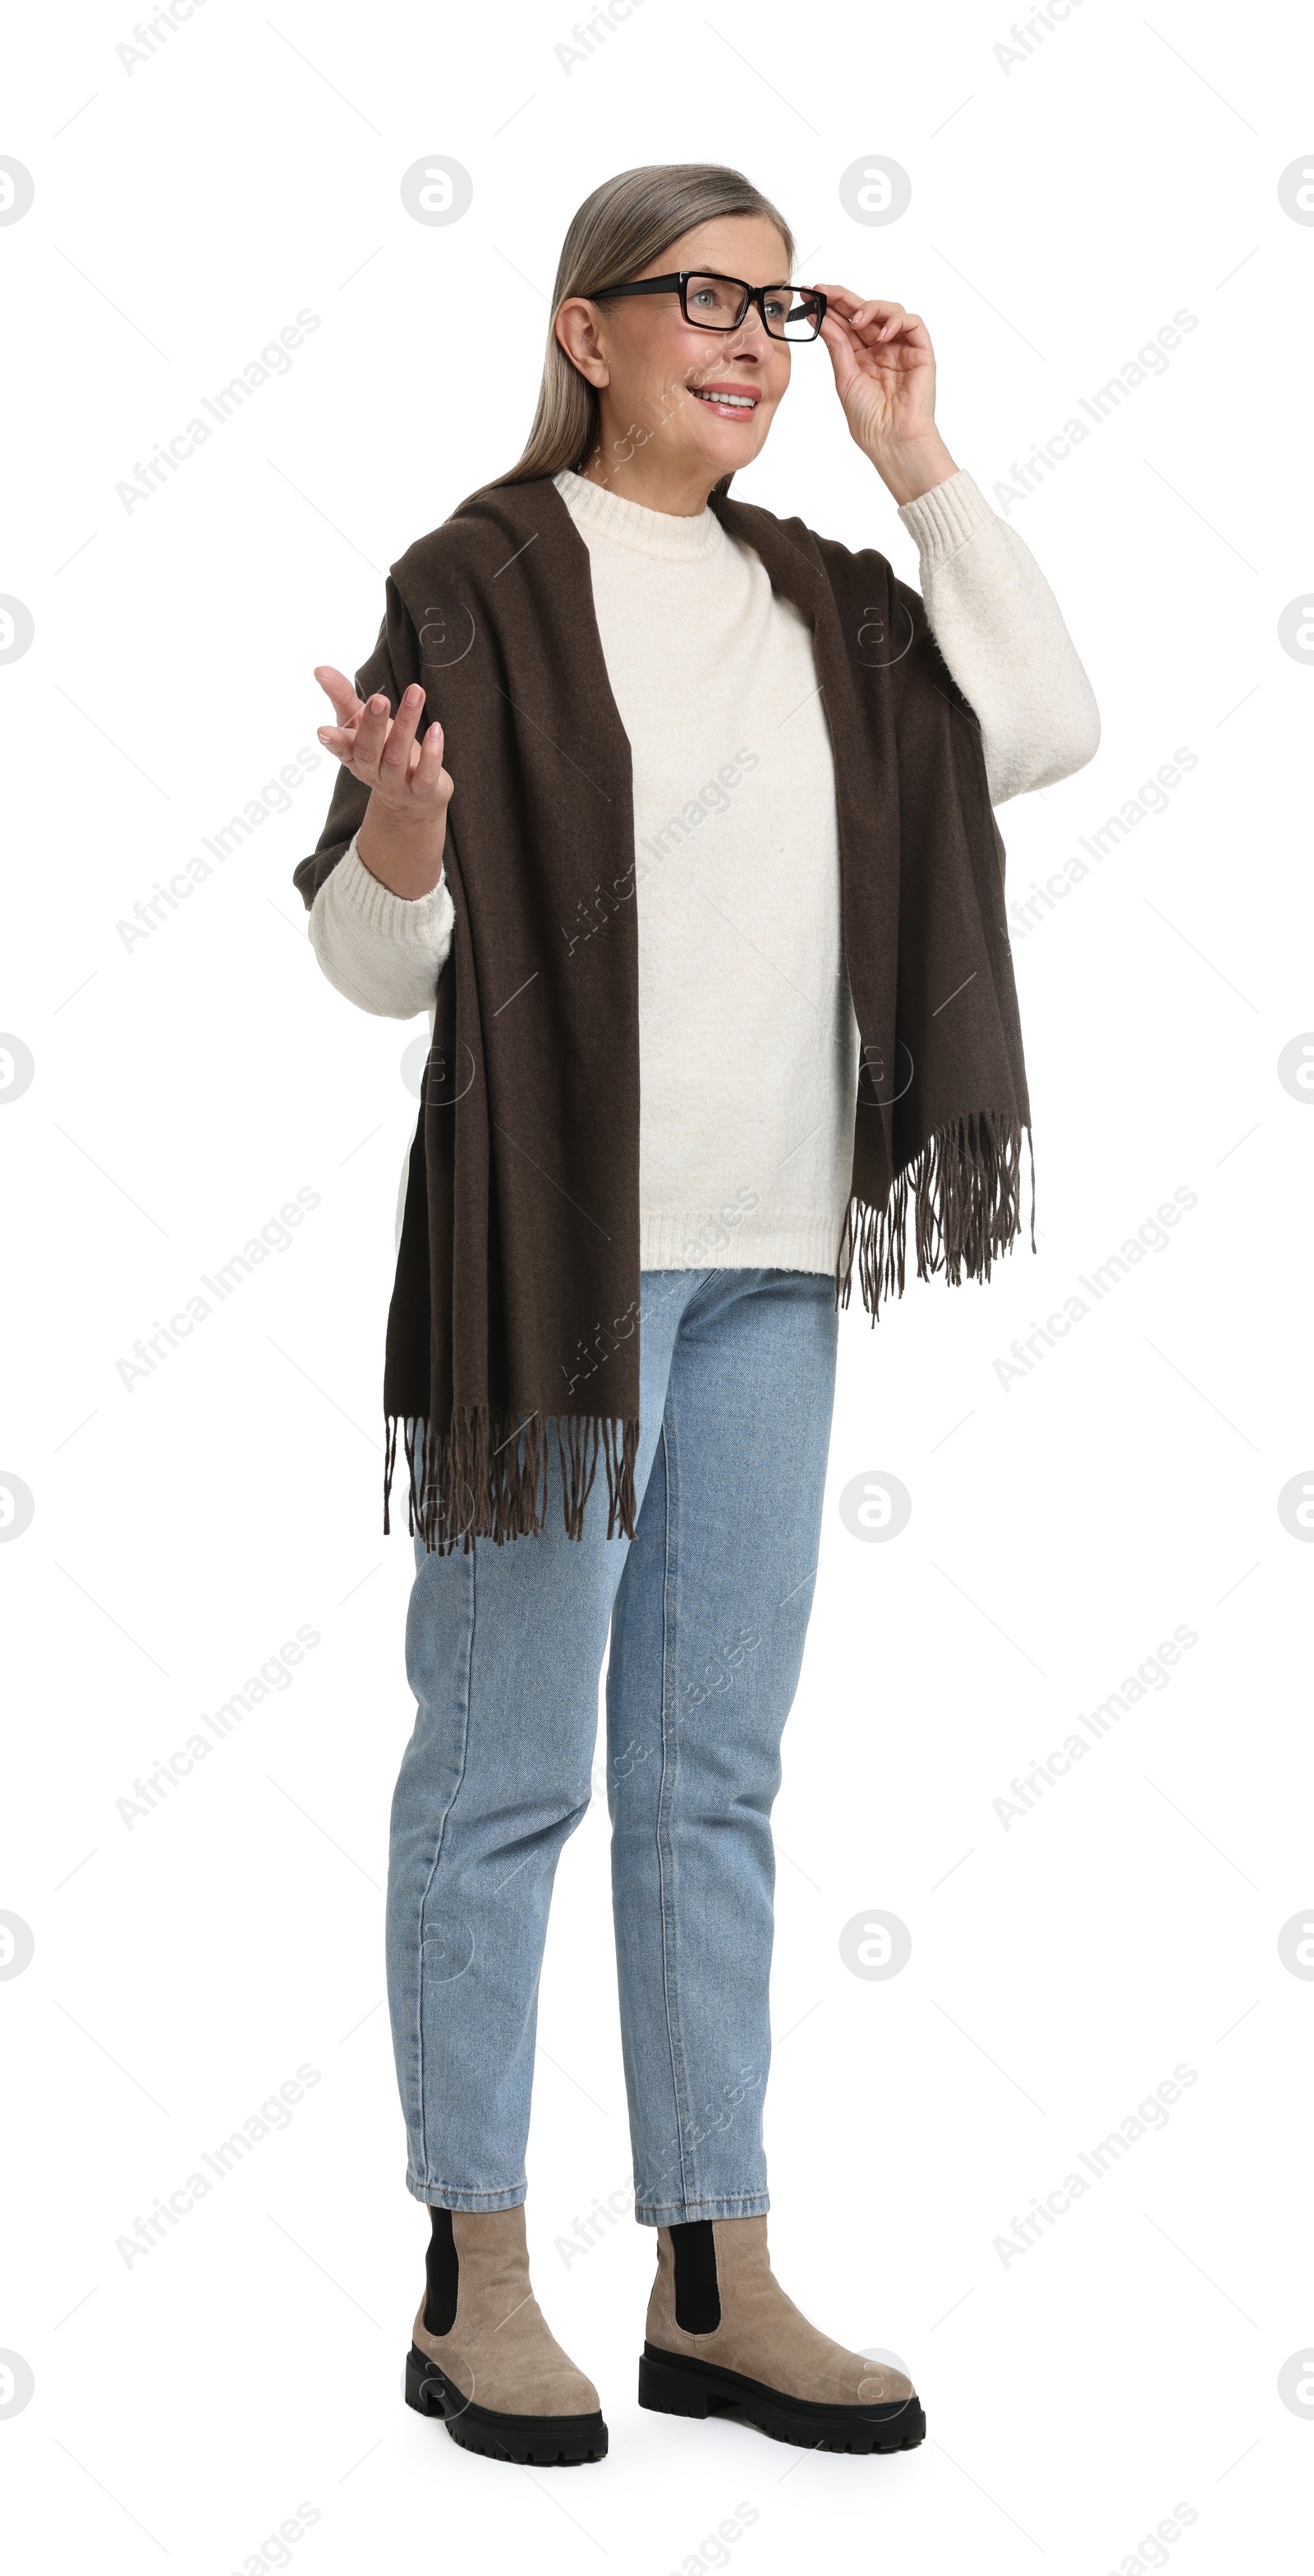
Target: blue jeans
<point x="707" y="1608"/>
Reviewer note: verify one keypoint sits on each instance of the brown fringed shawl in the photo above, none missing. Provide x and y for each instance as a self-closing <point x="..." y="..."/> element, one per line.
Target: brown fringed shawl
<point x="520" y="1240"/>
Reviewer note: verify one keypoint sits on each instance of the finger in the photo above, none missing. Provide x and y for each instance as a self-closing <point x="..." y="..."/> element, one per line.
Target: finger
<point x="422" y="775"/>
<point x="336" y="685"/>
<point x="892" y="345"/>
<point x="427" y="768"/>
<point x="842" y="348"/>
<point x="879" y="320"/>
<point x="909" y="332"/>
<point x="852" y="355"/>
<point x="900" y="330"/>
<point x="372" y="734"/>
<point x="395" y="759"/>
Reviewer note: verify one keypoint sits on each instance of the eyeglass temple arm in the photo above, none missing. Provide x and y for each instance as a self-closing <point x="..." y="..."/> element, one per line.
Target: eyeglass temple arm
<point x="641" y="286"/>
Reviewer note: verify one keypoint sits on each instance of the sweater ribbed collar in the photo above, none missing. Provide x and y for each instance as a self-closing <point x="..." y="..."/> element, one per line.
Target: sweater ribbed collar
<point x="600" y="513"/>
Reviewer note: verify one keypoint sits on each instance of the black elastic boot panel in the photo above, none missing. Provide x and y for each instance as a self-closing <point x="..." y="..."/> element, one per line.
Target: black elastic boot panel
<point x="441" y="2273"/>
<point x="697" y="2297"/>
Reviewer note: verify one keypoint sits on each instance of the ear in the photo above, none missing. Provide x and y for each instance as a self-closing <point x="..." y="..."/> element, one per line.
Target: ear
<point x="576" y="328"/>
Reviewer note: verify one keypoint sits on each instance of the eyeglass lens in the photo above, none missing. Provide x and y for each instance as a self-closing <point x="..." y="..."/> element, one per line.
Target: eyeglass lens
<point x="720" y="303"/>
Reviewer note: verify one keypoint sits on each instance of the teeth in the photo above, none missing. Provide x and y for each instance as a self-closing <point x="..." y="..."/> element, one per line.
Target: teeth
<point x="741" y="402"/>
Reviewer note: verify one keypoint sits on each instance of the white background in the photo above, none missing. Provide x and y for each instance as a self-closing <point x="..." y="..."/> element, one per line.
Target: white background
<point x="1064" y="206"/>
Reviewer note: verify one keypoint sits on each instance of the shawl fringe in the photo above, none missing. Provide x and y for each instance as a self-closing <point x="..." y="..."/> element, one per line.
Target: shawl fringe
<point x="964" y="1192"/>
<point x="484" y="1479"/>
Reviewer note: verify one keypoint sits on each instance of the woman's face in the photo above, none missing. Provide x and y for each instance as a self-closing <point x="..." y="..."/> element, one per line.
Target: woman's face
<point x="660" y="378"/>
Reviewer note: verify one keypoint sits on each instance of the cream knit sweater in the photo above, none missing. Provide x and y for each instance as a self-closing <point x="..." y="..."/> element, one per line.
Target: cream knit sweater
<point x="747" y="1041"/>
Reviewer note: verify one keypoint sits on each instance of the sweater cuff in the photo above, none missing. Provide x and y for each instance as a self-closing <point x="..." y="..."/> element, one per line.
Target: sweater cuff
<point x="942" y="520"/>
<point x="409" y="922"/>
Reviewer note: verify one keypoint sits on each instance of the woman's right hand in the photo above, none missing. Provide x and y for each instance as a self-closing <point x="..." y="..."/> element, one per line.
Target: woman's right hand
<point x="402" y="838"/>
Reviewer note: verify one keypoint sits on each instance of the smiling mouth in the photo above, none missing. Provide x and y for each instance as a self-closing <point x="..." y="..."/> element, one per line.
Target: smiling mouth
<point x="731" y="403"/>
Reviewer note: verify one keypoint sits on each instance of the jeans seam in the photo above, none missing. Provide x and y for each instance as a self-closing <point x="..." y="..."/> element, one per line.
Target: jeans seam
<point x="722" y="2204"/>
<point x="666" y="1798"/>
<point x="464" y="2196"/>
<point x="437" y="1854"/>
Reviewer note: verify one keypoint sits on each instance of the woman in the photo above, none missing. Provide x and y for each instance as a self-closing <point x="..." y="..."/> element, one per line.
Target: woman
<point x="720" y="843"/>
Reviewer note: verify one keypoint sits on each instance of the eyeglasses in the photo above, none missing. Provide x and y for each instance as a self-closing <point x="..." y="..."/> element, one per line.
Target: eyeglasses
<point x="714" y="303"/>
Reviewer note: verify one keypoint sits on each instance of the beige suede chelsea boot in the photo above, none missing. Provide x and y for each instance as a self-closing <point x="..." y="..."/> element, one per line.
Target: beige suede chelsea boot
<point x="482" y="2355"/>
<point x="723" y="2338"/>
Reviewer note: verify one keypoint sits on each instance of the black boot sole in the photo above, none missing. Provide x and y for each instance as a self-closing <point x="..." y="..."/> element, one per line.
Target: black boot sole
<point x="539" y="2441"/>
<point x="675" y="2383"/>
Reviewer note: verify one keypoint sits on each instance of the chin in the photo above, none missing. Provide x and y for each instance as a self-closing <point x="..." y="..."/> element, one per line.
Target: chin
<point x="726" y="444"/>
<point x="731" y="450"/>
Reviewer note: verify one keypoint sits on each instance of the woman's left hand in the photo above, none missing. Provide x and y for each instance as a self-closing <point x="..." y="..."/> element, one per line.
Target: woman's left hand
<point x="885" y="378"/>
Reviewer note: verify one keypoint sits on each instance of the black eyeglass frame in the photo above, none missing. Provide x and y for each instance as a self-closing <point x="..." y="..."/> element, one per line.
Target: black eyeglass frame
<point x="678" y="284"/>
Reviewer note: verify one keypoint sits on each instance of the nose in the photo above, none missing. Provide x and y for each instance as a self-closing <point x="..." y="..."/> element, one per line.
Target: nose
<point x="747" y="343"/>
